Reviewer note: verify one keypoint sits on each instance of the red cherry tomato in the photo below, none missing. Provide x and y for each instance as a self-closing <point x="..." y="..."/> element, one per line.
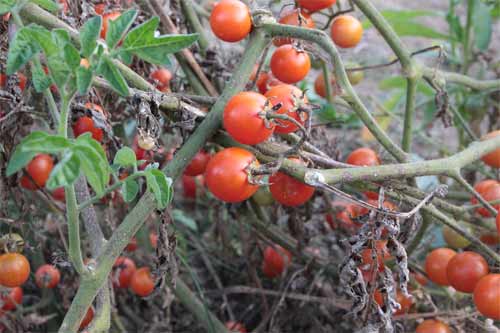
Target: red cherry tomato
<point x="346" y="212"/>
<point x="22" y="80"/>
<point x="87" y="319"/>
<point x="233" y="326"/>
<point x="320" y="87"/>
<point x="363" y="157"/>
<point x="10" y="298"/>
<point x="161" y="77"/>
<point x="39" y="168"/>
<point x="405" y="302"/>
<point x="105" y="22"/>
<point x="490" y="191"/>
<point x="492" y="159"/>
<point x="276" y="259"/>
<point x="436" y="264"/>
<point x="498" y="223"/>
<point x="59" y="194"/>
<point x="291" y="17"/>
<point x="315" y="5"/>
<point x="14" y="269"/>
<point x="226" y="175"/>
<point x="243" y="118"/>
<point x="490" y="239"/>
<point x="198" y="164"/>
<point x="28" y="184"/>
<point x="346" y="31"/>
<point x="47" y="276"/>
<point x="230" y="20"/>
<point x="420" y="278"/>
<point x="100" y="8"/>
<point x="289" y="191"/>
<point x="290" y="65"/>
<point x="465" y="270"/>
<point x="433" y="326"/>
<point x="123" y="269"/>
<point x="86" y="124"/>
<point x="190" y="187"/>
<point x="381" y="253"/>
<point x="290" y="98"/>
<point x="487" y="296"/>
<point x="132" y="245"/>
<point x="141" y="282"/>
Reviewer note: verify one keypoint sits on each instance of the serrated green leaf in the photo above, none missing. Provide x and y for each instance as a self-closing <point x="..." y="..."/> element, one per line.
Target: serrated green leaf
<point x="6" y="6"/>
<point x="59" y="71"/>
<point x="126" y="57"/>
<point x="160" y="186"/>
<point x="83" y="80"/>
<point x="482" y="25"/>
<point x="72" y="56"/>
<point x="130" y="188"/>
<point x="50" y="144"/>
<point x="111" y="73"/>
<point x="61" y="37"/>
<point x="41" y="81"/>
<point x="89" y="34"/>
<point x="125" y="157"/>
<point x="142" y="42"/>
<point x="179" y="216"/>
<point x="44" y="39"/>
<point x="93" y="162"/>
<point x="65" y="172"/>
<point x="49" y="5"/>
<point x="21" y="50"/>
<point x="118" y="28"/>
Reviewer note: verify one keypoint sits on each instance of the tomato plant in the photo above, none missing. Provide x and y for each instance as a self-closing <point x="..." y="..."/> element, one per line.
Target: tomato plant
<point x="289" y="64"/>
<point x="47" y="276"/>
<point x="230" y="20"/>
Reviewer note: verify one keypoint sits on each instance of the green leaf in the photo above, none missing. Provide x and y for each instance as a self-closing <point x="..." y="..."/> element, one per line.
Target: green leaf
<point x="50" y="144"/>
<point x="20" y="158"/>
<point x="398" y="82"/>
<point x="160" y="186"/>
<point x="65" y="172"/>
<point x="59" y="71"/>
<point x="179" y="216"/>
<point x="83" y="80"/>
<point x="142" y="42"/>
<point x="72" y="56"/>
<point x="403" y="15"/>
<point x="6" y="6"/>
<point x="125" y="157"/>
<point x="61" y="37"/>
<point x="89" y="34"/>
<point x="130" y="188"/>
<point x="41" y="81"/>
<point x="482" y="25"/>
<point x="49" y="5"/>
<point x="93" y="161"/>
<point x="21" y="50"/>
<point x="44" y="39"/>
<point x="111" y="73"/>
<point x="119" y="27"/>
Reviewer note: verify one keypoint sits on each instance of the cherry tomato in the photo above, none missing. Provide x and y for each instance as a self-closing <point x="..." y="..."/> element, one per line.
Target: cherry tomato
<point x="487" y="296"/>
<point x="276" y="259"/>
<point x="14" y="269"/>
<point x="465" y="270"/>
<point x="481" y="188"/>
<point x="263" y="197"/>
<point x="85" y="63"/>
<point x="490" y="239"/>
<point x="405" y="302"/>
<point x="21" y="77"/>
<point x="453" y="239"/>
<point x="87" y="319"/>
<point x="161" y="77"/>
<point x="433" y="326"/>
<point x="243" y="118"/>
<point x="47" y="276"/>
<point x="420" y="278"/>
<point x="315" y="5"/>
<point x="381" y="252"/>
<point x="386" y="204"/>
<point x="226" y="175"/>
<point x="498" y="223"/>
<point x="193" y="186"/>
<point x="123" y="269"/>
<point x="198" y="164"/>
<point x="153" y="239"/>
<point x="100" y="8"/>
<point x="290" y="65"/>
<point x="355" y="77"/>
<point x="233" y="326"/>
<point x="94" y="107"/>
<point x="132" y="245"/>
<point x="291" y="17"/>
<point x="320" y="87"/>
<point x="265" y="81"/>
<point x="436" y="264"/>
<point x="105" y="22"/>
<point x="86" y="124"/>
<point x="346" y="212"/>
<point x="10" y="298"/>
<point x="290" y="98"/>
<point x="346" y="31"/>
<point x="27" y="183"/>
<point x="230" y="20"/>
<point x="492" y="159"/>
<point x="289" y="191"/>
<point x="363" y="157"/>
<point x="39" y="168"/>
<point x="59" y="194"/>
<point x="141" y="282"/>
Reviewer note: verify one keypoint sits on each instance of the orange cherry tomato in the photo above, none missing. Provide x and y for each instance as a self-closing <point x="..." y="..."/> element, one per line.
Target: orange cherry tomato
<point x="363" y="157"/>
<point x="198" y="164"/>
<point x="420" y="278"/>
<point x="346" y="31"/>
<point x="487" y="296"/>
<point x="433" y="326"/>
<point x="320" y="87"/>
<point x="243" y="118"/>
<point x="405" y="302"/>
<point x="161" y="77"/>
<point x="346" y="212"/>
<point x="100" y="8"/>
<point x="481" y="188"/>
<point x="230" y="20"/>
<point x="492" y="159"/>
<point x="123" y="269"/>
<point x="436" y="264"/>
<point x="289" y="191"/>
<point x="153" y="239"/>
<point x="276" y="259"/>
<point x="47" y="276"/>
<point x="105" y="22"/>
<point x="465" y="270"/>
<point x="315" y="5"/>
<point x="381" y="252"/>
<point x="86" y="124"/>
<point x="10" y="298"/>
<point x="14" y="269"/>
<point x="291" y="17"/>
<point x="226" y="175"/>
<point x="289" y="97"/>
<point x="94" y="107"/>
<point x="39" y="168"/>
<point x="141" y="282"/>
<point x="290" y="65"/>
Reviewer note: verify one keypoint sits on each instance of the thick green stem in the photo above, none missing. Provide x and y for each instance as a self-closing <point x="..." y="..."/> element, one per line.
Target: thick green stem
<point x="328" y="82"/>
<point x="451" y="77"/>
<point x="411" y="92"/>
<point x="62" y="128"/>
<point x="194" y="22"/>
<point x="467" y="40"/>
<point x="75" y="251"/>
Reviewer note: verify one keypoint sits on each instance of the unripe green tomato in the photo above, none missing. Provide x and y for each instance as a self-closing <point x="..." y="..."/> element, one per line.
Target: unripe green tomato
<point x="263" y="196"/>
<point x="354" y="77"/>
<point x="453" y="239"/>
<point x="11" y="242"/>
